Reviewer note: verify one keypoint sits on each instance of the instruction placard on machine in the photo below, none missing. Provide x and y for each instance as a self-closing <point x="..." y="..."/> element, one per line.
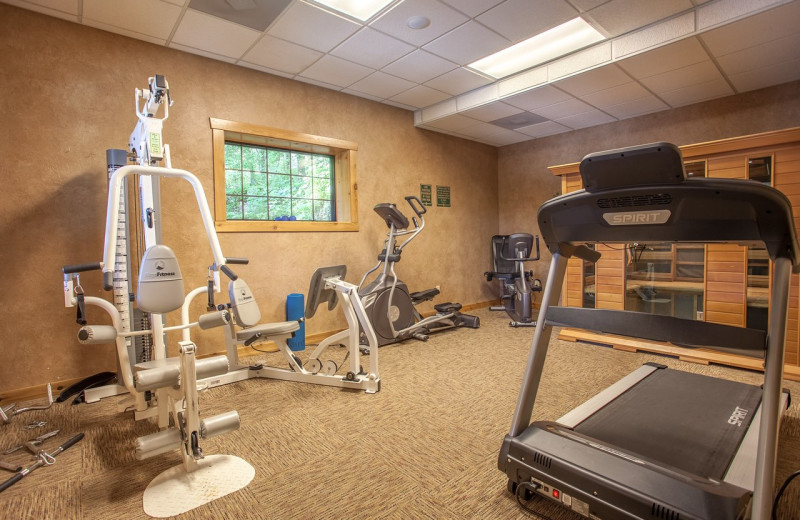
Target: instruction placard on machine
<point x="443" y="196"/>
<point x="426" y="194"/>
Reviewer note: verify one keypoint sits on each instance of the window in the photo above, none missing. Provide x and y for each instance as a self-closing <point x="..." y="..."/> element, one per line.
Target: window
<point x="266" y="179"/>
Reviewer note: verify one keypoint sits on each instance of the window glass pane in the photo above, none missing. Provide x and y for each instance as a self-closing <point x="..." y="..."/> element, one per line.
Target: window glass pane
<point x="254" y="158"/>
<point x="322" y="189"/>
<point x="757" y="288"/>
<point x="323" y="166"/>
<point x="322" y="210"/>
<point x="302" y="187"/>
<point x="233" y="182"/>
<point x="279" y="208"/>
<point x="233" y="208"/>
<point x="666" y="279"/>
<point x="302" y="164"/>
<point x="760" y="169"/>
<point x="302" y="209"/>
<point x="233" y="156"/>
<point x="254" y="183"/>
<point x="589" y="281"/>
<point x="695" y="169"/>
<point x="255" y="208"/>
<point x="280" y="185"/>
<point x="279" y="161"/>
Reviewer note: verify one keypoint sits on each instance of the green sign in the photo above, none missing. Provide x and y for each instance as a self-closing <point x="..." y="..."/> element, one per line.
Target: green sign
<point x="443" y="196"/>
<point x="425" y="194"/>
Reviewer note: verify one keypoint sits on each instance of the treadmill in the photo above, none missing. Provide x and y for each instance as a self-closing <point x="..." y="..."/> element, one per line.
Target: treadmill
<point x="660" y="443"/>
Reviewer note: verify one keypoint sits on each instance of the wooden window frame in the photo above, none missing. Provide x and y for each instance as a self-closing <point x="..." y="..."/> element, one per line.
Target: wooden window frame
<point x="346" y="186"/>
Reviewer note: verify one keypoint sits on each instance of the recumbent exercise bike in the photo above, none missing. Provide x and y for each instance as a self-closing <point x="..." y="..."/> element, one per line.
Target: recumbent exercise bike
<point x="509" y="254"/>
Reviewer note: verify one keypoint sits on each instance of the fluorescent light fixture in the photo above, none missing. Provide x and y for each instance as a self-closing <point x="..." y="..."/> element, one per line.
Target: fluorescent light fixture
<point x="361" y="9"/>
<point x="553" y="43"/>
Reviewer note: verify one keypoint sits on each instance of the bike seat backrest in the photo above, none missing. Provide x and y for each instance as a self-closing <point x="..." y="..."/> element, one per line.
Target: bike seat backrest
<point x="391" y="215"/>
<point x="243" y="303"/>
<point x="504" y="269"/>
<point x="518" y="243"/>
<point x="160" y="287"/>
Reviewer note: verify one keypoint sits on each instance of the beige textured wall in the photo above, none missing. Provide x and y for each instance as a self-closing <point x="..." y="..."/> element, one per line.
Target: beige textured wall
<point x="525" y="182"/>
<point x="67" y="96"/>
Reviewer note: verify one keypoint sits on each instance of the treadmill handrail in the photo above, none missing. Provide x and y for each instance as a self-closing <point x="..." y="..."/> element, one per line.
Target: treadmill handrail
<point x="679" y="331"/>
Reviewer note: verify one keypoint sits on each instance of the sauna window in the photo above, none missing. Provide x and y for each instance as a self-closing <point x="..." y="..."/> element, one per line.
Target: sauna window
<point x="665" y="279"/>
<point x="589" y="282"/>
<point x="759" y="169"/>
<point x="757" y="288"/>
<point x="695" y="169"/>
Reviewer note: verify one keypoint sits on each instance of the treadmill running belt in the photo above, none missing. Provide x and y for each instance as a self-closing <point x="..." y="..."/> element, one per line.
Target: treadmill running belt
<point x="688" y="421"/>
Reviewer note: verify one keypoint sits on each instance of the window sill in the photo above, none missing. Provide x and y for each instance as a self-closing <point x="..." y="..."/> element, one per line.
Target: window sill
<point x="259" y="226"/>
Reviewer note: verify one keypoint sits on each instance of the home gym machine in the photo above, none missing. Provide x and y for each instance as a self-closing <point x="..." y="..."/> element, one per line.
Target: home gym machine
<point x="390" y="308"/>
<point x="162" y="387"/>
<point x="509" y="254"/>
<point x="660" y="443"/>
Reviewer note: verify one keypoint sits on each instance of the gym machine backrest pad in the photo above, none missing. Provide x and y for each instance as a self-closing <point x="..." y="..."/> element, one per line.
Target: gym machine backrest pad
<point x="318" y="293"/>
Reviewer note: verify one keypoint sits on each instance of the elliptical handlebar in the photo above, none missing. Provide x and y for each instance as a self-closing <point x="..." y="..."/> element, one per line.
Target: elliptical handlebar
<point x="419" y="207"/>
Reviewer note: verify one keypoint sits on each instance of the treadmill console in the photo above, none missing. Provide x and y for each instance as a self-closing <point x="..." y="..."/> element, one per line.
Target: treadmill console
<point x="647" y="165"/>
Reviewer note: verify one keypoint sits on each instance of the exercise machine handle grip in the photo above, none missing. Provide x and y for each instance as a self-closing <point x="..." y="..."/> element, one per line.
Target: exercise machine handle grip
<point x="10" y="482"/>
<point x="419" y="207"/>
<point x="79" y="268"/>
<point x="228" y="272"/>
<point x="241" y="261"/>
<point x="68" y="444"/>
<point x="108" y="280"/>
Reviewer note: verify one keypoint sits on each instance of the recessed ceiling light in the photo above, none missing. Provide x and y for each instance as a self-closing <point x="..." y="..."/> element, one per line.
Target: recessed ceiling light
<point x="418" y="22"/>
<point x="558" y="41"/>
<point x="361" y="9"/>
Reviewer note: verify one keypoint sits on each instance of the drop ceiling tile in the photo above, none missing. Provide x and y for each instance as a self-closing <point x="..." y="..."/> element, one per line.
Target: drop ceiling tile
<point x="443" y="18"/>
<point x="760" y="56"/>
<point x="478" y="97"/>
<point x="543" y="129"/>
<point x="467" y="43"/>
<point x="420" y="96"/>
<point x="616" y="95"/>
<point x="518" y="20"/>
<point x="492" y="111"/>
<point x="492" y="135"/>
<point x="593" y="80"/>
<point x="538" y="97"/>
<point x="636" y="107"/>
<point x="124" y="32"/>
<point x="211" y="34"/>
<point x="177" y="2"/>
<point x="419" y="66"/>
<point x="472" y="8"/>
<point x="336" y="71"/>
<point x="410" y="108"/>
<point x="63" y="9"/>
<point x="504" y="139"/>
<point x="586" y="119"/>
<point x="381" y="85"/>
<point x="692" y="75"/>
<point x="721" y="12"/>
<point x="441" y="109"/>
<point x="200" y="52"/>
<point x="621" y="16"/>
<point x="773" y="74"/>
<point x="312" y="27"/>
<point x="760" y="28"/>
<point x="371" y="48"/>
<point x="670" y="57"/>
<point x="696" y="93"/>
<point x="318" y="83"/>
<point x="362" y="94"/>
<point x="458" y="81"/>
<point x="281" y="55"/>
<point x="564" y="109"/>
<point x="588" y="5"/>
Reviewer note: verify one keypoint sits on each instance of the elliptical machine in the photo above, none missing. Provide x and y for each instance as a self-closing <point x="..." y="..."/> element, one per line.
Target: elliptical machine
<point x="390" y="307"/>
<point x="509" y="254"/>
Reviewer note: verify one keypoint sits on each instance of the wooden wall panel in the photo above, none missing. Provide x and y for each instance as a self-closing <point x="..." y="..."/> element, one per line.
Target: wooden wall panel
<point x="787" y="180"/>
<point x="610" y="277"/>
<point x="728" y="167"/>
<point x="725" y="285"/>
<point x="573" y="283"/>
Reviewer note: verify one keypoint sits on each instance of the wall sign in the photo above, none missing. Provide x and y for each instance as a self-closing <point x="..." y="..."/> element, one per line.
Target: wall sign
<point x="443" y="196"/>
<point x="425" y="194"/>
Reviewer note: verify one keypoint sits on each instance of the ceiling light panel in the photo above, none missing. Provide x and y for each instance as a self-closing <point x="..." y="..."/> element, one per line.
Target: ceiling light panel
<point x="554" y="43"/>
<point x="361" y="9"/>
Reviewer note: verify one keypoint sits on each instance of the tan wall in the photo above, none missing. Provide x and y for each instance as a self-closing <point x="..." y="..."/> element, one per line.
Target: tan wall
<point x="67" y="96"/>
<point x="525" y="183"/>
